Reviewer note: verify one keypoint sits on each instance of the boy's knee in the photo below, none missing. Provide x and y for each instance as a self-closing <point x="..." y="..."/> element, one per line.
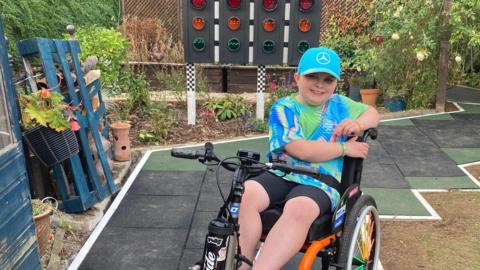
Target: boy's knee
<point x="302" y="209"/>
<point x="255" y="196"/>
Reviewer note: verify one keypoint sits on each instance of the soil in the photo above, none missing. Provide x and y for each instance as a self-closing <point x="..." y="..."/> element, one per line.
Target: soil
<point x="205" y="129"/>
<point x="452" y="243"/>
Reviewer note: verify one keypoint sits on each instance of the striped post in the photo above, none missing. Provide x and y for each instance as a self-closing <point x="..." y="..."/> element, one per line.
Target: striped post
<point x="191" y="94"/>
<point x="261" y="78"/>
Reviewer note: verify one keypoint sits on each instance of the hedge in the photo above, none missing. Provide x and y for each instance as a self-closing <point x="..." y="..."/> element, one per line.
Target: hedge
<point x="48" y="18"/>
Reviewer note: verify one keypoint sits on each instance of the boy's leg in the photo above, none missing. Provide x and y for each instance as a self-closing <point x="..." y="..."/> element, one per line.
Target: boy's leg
<point x="260" y="192"/>
<point x="255" y="200"/>
<point x="288" y="235"/>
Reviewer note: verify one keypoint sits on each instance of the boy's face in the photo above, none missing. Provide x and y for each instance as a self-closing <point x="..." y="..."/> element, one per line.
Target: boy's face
<point x="315" y="88"/>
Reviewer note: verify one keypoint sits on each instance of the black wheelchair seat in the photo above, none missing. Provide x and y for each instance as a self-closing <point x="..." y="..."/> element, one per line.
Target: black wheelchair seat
<point x="320" y="228"/>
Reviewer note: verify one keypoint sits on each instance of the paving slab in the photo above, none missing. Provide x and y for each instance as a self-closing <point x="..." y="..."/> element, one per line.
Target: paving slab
<point x="463" y="94"/>
<point x="401" y="122"/>
<point x="470" y="108"/>
<point x="154" y="212"/>
<point x="441" y="182"/>
<point x="136" y="248"/>
<point x="190" y="257"/>
<point x="462" y="155"/>
<point x="210" y="198"/>
<point x="383" y="176"/>
<point x="198" y="231"/>
<point x="167" y="183"/>
<point x="396" y="202"/>
<point x="449" y="134"/>
<point x="402" y="135"/>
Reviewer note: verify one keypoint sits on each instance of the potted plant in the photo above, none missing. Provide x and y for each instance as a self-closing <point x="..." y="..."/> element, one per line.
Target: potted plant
<point x="369" y="91"/>
<point x="394" y="98"/>
<point x="49" y="125"/>
<point x="42" y="210"/>
<point x="355" y="82"/>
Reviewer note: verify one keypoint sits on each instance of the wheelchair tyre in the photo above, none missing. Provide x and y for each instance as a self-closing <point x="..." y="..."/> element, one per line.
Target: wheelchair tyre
<point x="360" y="241"/>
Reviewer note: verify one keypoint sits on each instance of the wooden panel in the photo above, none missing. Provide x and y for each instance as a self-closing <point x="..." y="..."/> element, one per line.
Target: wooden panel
<point x="18" y="248"/>
<point x="17" y="232"/>
<point x="240" y="78"/>
<point x="167" y="11"/>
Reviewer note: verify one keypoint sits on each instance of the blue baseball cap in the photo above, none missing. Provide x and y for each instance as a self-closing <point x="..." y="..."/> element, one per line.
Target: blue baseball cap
<point x="319" y="59"/>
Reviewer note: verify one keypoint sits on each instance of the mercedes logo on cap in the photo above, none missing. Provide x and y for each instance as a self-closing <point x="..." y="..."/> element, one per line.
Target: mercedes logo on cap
<point x="323" y="58"/>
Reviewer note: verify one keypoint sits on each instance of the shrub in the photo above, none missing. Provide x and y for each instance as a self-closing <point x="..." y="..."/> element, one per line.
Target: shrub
<point x="276" y="95"/>
<point x="174" y="80"/>
<point x="39" y="18"/>
<point x="109" y="46"/>
<point x="150" y="41"/>
<point x="146" y="137"/>
<point x="138" y="91"/>
<point x="257" y="125"/>
<point x="161" y="121"/>
<point x="228" y="107"/>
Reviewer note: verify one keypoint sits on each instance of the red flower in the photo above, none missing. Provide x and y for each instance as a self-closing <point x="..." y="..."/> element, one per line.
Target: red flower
<point x="74" y="125"/>
<point x="44" y="93"/>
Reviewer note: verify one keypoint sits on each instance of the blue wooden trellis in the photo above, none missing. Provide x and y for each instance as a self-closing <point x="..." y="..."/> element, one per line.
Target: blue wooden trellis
<point x="80" y="168"/>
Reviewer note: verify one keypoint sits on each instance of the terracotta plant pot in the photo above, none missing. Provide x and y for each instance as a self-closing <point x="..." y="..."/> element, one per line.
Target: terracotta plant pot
<point x="121" y="141"/>
<point x="370" y="96"/>
<point x="42" y="230"/>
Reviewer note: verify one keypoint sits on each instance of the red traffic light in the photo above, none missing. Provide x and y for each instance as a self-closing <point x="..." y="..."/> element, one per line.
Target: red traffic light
<point x="199" y="4"/>
<point x="234" y="4"/>
<point x="270" y="4"/>
<point x="305" y="4"/>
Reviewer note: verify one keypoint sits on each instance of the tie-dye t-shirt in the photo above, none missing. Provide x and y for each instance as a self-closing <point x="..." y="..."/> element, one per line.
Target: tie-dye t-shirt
<point x="291" y="120"/>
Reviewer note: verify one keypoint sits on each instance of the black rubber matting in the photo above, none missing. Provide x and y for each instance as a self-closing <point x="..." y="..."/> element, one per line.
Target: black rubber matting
<point x="450" y="134"/>
<point x="463" y="94"/>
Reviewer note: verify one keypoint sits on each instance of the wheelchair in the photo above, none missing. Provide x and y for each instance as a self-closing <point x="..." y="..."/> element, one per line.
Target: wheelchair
<point x="347" y="239"/>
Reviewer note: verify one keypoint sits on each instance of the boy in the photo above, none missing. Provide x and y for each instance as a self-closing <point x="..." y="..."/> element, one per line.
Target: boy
<point x="308" y="128"/>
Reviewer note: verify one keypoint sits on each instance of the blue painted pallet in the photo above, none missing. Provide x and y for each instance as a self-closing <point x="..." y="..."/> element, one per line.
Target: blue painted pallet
<point x="80" y="169"/>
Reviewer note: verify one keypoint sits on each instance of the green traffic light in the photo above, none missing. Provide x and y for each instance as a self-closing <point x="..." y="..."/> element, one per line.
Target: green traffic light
<point x="302" y="46"/>
<point x="199" y="44"/>
<point x="233" y="44"/>
<point x="268" y="46"/>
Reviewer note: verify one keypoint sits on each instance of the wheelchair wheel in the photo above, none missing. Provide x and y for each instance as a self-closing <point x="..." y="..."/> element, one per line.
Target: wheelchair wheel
<point x="360" y="241"/>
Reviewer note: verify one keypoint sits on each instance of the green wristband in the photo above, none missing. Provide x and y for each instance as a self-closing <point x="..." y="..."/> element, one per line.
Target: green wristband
<point x="344" y="148"/>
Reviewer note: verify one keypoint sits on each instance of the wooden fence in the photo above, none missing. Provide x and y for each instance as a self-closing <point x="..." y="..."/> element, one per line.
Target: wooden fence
<point x="170" y="12"/>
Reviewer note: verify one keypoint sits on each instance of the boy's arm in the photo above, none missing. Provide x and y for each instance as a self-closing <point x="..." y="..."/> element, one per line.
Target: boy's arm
<point x="314" y="151"/>
<point x="320" y="151"/>
<point x="369" y="118"/>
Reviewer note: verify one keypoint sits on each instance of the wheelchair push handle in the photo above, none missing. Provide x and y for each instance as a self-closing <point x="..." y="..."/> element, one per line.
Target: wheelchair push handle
<point x="371" y="133"/>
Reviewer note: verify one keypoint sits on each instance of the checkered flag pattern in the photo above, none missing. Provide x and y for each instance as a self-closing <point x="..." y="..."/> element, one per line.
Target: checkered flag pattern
<point x="190" y="77"/>
<point x="261" y="78"/>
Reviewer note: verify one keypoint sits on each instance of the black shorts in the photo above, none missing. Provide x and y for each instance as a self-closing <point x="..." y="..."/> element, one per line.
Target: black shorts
<point x="280" y="191"/>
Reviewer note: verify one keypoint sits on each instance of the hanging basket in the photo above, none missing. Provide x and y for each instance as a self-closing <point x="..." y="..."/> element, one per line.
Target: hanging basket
<point x="50" y="146"/>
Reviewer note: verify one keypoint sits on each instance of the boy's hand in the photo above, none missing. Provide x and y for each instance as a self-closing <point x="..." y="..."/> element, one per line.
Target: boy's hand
<point x="348" y="128"/>
<point x="356" y="149"/>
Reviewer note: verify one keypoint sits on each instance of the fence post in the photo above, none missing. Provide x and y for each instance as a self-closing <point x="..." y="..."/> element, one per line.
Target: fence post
<point x="260" y="92"/>
<point x="190" y="69"/>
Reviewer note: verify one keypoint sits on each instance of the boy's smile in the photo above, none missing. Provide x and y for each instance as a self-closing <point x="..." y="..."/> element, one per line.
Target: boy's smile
<point x="315" y="88"/>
